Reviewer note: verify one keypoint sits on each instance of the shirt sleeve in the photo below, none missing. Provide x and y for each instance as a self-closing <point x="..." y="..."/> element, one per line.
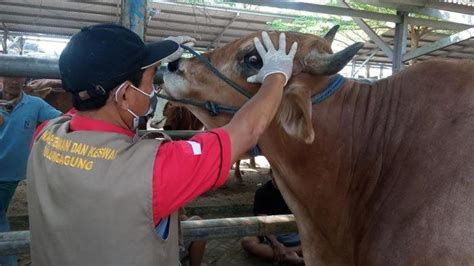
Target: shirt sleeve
<point x="47" y="112"/>
<point x="186" y="169"/>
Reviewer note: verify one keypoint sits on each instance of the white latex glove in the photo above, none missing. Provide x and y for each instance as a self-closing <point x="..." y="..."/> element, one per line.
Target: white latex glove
<point x="186" y="40"/>
<point x="274" y="61"/>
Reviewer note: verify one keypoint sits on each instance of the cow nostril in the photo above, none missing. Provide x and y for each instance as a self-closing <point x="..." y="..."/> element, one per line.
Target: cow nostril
<point x="173" y="66"/>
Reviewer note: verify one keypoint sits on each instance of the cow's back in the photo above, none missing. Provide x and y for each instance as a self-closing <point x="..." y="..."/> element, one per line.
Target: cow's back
<point x="423" y="208"/>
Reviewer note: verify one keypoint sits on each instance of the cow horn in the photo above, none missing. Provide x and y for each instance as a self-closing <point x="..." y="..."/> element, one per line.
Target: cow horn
<point x="331" y="34"/>
<point x="328" y="64"/>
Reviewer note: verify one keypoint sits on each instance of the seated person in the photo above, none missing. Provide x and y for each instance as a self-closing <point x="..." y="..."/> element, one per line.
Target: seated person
<point x="282" y="248"/>
<point x="193" y="251"/>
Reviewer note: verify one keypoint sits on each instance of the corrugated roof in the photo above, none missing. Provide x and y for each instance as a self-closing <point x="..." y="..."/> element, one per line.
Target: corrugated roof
<point x="211" y="26"/>
<point x="54" y="17"/>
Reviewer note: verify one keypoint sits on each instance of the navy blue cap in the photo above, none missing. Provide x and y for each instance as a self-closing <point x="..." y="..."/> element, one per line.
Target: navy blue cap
<point x="100" y="57"/>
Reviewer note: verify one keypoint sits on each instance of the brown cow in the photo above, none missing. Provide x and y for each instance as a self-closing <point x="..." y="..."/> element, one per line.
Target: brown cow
<point x="50" y="90"/>
<point x="376" y="174"/>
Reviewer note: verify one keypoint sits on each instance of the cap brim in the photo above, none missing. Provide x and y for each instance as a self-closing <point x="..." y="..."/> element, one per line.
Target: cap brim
<point x="157" y="51"/>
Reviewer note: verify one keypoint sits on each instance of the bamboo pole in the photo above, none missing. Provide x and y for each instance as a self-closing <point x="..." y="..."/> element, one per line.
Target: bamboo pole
<point x="19" y="241"/>
<point x="238" y="227"/>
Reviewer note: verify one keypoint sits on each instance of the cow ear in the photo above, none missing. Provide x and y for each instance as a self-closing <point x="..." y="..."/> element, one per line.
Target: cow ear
<point x="295" y="113"/>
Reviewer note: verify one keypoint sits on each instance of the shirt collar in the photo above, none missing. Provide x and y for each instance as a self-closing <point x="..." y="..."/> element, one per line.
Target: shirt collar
<point x="83" y="123"/>
<point x="24" y="99"/>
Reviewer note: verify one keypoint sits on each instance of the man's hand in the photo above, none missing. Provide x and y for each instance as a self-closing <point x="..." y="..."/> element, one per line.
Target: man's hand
<point x="279" y="251"/>
<point x="186" y="40"/>
<point x="274" y="61"/>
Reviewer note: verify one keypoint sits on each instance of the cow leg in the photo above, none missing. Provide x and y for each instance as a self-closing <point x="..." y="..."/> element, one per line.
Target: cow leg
<point x="253" y="164"/>
<point x="237" y="173"/>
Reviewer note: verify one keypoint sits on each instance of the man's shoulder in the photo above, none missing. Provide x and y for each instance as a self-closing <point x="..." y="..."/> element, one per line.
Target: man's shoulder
<point x="32" y="99"/>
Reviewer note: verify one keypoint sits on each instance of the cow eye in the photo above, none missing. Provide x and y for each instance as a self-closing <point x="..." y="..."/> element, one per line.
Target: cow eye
<point x="254" y="61"/>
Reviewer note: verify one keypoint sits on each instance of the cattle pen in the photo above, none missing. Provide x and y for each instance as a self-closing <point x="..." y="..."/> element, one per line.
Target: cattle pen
<point x="215" y="26"/>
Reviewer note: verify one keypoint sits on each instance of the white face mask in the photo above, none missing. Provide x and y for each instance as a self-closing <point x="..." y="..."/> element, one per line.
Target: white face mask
<point x="153" y="100"/>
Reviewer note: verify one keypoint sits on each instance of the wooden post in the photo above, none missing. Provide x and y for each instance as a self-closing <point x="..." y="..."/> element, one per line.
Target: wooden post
<point x="401" y="30"/>
<point x="134" y="16"/>
<point x="21" y="43"/>
<point x="5" y="39"/>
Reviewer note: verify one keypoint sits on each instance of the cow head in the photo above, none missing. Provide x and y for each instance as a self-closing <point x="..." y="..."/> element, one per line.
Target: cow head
<point x="314" y="64"/>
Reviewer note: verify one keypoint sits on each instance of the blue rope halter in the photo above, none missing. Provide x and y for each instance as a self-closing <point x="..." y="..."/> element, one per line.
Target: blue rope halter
<point x="333" y="86"/>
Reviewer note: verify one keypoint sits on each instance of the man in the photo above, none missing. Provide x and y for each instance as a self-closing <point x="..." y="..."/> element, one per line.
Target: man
<point x="98" y="194"/>
<point x="19" y="115"/>
<point x="282" y="248"/>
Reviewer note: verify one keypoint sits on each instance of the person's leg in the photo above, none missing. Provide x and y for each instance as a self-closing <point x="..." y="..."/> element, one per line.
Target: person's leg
<point x="252" y="245"/>
<point x="197" y="248"/>
<point x="7" y="189"/>
<point x="292" y="245"/>
<point x="196" y="252"/>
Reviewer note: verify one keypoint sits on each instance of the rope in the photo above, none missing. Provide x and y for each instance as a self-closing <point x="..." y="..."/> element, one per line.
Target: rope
<point x="217" y="72"/>
<point x="213" y="108"/>
<point x="333" y="86"/>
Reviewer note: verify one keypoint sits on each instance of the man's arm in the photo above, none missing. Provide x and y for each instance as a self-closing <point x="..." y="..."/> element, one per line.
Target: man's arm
<point x="249" y="123"/>
<point x="253" y="118"/>
<point x="46" y="111"/>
